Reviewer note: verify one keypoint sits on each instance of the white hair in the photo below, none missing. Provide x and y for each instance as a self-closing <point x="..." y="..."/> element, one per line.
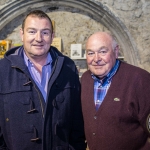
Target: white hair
<point x="114" y="42"/>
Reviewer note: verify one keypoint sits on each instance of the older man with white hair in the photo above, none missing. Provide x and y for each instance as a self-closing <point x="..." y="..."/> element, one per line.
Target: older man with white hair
<point x="115" y="98"/>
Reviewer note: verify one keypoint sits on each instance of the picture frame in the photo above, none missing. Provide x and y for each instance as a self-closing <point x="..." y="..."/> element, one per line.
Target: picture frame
<point x="57" y="43"/>
<point x="76" y="51"/>
<point x="4" y="46"/>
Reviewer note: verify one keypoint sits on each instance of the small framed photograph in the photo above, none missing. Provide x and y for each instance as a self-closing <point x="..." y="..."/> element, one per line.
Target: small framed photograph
<point x="76" y="51"/>
<point x="57" y="43"/>
<point x="4" y="46"/>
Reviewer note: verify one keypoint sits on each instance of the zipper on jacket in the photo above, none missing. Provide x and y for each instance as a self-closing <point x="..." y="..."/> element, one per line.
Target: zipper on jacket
<point x="52" y="75"/>
<point x="36" y="90"/>
<point x="54" y="68"/>
<point x="40" y="100"/>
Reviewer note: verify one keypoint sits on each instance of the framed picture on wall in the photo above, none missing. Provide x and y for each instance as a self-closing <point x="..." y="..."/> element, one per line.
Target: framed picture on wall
<point x="4" y="46"/>
<point x="76" y="51"/>
<point x="57" y="43"/>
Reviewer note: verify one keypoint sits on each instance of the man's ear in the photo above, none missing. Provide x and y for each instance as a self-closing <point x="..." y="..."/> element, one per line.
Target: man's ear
<point x="21" y="34"/>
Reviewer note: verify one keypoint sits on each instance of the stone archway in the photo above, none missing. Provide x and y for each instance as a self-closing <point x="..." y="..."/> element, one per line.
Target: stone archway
<point x="94" y="10"/>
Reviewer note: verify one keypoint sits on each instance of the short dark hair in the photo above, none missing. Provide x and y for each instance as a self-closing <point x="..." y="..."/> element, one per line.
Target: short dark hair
<point x="39" y="14"/>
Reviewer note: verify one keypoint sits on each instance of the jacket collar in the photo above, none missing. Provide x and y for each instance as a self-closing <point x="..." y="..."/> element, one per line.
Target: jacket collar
<point x="15" y="56"/>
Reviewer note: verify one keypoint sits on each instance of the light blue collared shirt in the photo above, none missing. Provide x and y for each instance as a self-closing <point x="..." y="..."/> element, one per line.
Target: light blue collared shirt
<point x="40" y="80"/>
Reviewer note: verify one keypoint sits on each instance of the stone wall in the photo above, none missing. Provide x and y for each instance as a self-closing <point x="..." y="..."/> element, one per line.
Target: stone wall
<point x="135" y="14"/>
<point x="74" y="27"/>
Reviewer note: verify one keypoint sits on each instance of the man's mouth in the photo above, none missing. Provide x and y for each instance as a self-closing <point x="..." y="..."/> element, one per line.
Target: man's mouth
<point x="99" y="65"/>
<point x="38" y="46"/>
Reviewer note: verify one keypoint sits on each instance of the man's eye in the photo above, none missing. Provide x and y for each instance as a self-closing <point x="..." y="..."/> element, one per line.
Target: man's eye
<point x="90" y="53"/>
<point x="31" y="32"/>
<point x="46" y="33"/>
<point x="103" y="51"/>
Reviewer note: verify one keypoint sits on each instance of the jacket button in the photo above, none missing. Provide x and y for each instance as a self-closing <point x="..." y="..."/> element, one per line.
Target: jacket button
<point x="94" y="133"/>
<point x="7" y="119"/>
<point x="57" y="85"/>
<point x="95" y="117"/>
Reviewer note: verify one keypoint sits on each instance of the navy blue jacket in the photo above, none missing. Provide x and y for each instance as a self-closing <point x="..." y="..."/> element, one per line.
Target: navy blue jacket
<point x="26" y="121"/>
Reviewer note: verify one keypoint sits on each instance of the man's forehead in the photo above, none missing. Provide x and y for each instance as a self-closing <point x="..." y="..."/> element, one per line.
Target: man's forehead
<point x="99" y="42"/>
<point x="100" y="37"/>
<point x="33" y="21"/>
<point x="37" y="17"/>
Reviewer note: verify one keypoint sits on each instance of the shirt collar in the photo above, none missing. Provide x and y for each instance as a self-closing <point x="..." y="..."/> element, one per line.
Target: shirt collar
<point x="109" y="76"/>
<point x="27" y="60"/>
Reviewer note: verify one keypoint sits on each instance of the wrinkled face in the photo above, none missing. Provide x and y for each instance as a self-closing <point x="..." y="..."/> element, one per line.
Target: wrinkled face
<point x="37" y="36"/>
<point x="99" y="53"/>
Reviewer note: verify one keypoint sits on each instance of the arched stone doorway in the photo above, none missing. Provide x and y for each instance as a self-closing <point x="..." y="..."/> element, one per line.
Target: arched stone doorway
<point x="95" y="10"/>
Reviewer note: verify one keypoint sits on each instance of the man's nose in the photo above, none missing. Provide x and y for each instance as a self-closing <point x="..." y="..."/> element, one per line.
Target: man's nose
<point x="97" y="57"/>
<point x="38" y="37"/>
